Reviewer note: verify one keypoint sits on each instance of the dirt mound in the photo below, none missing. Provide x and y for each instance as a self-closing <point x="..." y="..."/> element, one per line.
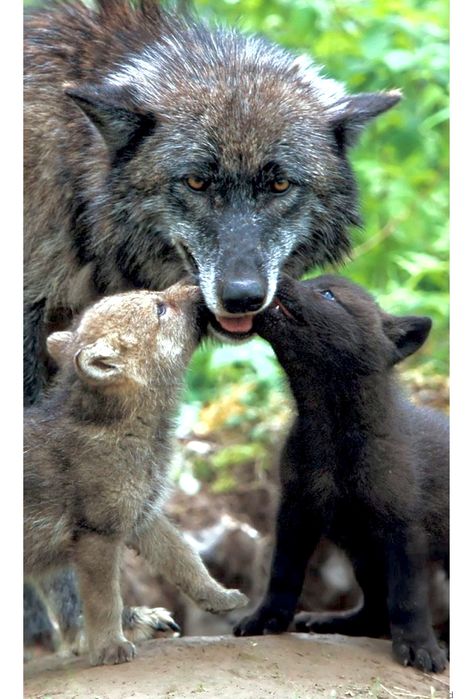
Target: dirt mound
<point x="290" y="666"/>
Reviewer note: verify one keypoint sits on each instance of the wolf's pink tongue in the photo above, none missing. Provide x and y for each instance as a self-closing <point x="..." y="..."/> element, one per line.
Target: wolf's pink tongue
<point x="241" y="324"/>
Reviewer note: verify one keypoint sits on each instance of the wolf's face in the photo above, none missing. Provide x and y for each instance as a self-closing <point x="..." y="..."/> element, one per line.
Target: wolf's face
<point x="235" y="153"/>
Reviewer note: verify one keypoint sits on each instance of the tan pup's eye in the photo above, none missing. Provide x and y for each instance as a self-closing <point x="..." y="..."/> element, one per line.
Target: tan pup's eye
<point x="196" y="183"/>
<point x="280" y="186"/>
<point x="161" y="309"/>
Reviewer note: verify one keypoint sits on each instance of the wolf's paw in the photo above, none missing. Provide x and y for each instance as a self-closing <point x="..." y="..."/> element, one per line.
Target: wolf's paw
<point x="143" y="623"/>
<point x="116" y="652"/>
<point x="224" y="601"/>
<point x="264" y="620"/>
<point x="424" y="654"/>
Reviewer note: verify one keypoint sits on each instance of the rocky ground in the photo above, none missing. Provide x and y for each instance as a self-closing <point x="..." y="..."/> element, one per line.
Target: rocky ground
<point x="290" y="666"/>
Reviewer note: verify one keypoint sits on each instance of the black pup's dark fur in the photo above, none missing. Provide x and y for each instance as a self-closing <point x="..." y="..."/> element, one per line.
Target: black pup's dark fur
<point x="362" y="465"/>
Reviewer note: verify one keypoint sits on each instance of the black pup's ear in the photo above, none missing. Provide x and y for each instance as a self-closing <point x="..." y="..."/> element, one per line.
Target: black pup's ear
<point x="121" y="126"/>
<point x="349" y="115"/>
<point x="407" y="333"/>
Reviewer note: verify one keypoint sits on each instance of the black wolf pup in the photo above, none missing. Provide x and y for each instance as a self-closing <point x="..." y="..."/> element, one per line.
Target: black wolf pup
<point x="362" y="465"/>
<point x="156" y="146"/>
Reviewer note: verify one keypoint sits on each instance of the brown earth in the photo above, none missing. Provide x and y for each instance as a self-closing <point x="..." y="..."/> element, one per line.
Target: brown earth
<point x="290" y="666"/>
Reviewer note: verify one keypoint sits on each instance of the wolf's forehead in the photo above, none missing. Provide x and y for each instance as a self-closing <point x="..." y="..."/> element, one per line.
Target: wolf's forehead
<point x="240" y="130"/>
<point x="201" y="59"/>
<point x="236" y="97"/>
<point x="225" y="75"/>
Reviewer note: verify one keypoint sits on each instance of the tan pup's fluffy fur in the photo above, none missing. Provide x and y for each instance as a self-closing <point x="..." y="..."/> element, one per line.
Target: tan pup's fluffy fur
<point x="97" y="452"/>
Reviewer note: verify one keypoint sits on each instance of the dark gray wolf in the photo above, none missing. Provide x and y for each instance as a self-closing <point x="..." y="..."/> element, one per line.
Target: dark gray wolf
<point x="362" y="465"/>
<point x="154" y="145"/>
<point x="97" y="457"/>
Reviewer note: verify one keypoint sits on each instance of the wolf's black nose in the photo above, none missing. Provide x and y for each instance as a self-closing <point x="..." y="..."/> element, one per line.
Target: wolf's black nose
<point x="243" y="295"/>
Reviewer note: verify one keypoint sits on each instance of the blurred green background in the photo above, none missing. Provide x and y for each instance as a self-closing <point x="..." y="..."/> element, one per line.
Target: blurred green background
<point x="401" y="254"/>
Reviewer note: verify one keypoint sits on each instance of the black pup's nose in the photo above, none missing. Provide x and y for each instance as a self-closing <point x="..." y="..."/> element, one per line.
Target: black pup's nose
<point x="243" y="295"/>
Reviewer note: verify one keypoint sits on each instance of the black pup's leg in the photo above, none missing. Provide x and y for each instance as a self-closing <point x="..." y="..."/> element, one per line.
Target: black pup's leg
<point x="296" y="538"/>
<point x="371" y="619"/>
<point x="413" y="638"/>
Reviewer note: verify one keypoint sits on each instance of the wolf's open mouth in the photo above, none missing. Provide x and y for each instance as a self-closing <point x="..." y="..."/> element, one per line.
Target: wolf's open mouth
<point x="238" y="328"/>
<point x="242" y="327"/>
<point x="239" y="324"/>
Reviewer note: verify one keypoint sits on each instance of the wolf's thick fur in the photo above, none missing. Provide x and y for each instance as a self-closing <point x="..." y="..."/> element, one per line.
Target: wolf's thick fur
<point x="362" y="465"/>
<point x="97" y="454"/>
<point x="125" y="109"/>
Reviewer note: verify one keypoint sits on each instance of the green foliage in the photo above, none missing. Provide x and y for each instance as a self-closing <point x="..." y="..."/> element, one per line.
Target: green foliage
<point x="237" y="400"/>
<point x="215" y="368"/>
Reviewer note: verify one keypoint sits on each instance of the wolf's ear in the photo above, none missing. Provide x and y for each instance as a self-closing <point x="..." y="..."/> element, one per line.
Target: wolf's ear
<point x="99" y="363"/>
<point x="407" y="333"/>
<point x="120" y="125"/>
<point x="58" y="345"/>
<point x="349" y="115"/>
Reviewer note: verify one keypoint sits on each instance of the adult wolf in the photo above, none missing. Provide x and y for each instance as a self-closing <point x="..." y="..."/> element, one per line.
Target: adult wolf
<point x="156" y="146"/>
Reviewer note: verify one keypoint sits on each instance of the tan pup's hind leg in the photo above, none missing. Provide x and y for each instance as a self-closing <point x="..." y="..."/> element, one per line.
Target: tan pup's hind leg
<point x="170" y="554"/>
<point x="97" y="560"/>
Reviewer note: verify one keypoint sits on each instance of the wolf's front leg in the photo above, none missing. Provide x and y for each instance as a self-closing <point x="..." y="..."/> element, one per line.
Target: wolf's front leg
<point x="170" y="554"/>
<point x="297" y="534"/>
<point x="413" y="638"/>
<point x="97" y="560"/>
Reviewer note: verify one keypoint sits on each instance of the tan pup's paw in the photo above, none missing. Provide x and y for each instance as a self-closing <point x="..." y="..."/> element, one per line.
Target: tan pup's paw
<point x="143" y="623"/>
<point x="116" y="652"/>
<point x="225" y="601"/>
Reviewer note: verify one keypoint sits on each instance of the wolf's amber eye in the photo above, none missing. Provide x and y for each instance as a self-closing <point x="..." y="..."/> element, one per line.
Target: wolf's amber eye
<point x="279" y="186"/>
<point x="196" y="183"/>
<point x="161" y="309"/>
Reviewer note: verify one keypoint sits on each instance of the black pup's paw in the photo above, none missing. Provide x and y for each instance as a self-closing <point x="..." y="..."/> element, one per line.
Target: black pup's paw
<point x="262" y="621"/>
<point x="424" y="654"/>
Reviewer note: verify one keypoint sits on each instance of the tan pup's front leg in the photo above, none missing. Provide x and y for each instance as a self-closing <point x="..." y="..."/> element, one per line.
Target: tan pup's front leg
<point x="97" y="560"/>
<point x="170" y="554"/>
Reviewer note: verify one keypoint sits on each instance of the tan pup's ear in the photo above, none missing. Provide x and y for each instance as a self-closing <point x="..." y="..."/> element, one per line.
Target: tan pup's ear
<point x="58" y="345"/>
<point x="99" y="363"/>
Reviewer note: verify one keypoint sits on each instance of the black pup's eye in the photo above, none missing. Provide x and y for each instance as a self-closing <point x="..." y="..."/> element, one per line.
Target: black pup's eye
<point x="161" y="309"/>
<point x="328" y="295"/>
